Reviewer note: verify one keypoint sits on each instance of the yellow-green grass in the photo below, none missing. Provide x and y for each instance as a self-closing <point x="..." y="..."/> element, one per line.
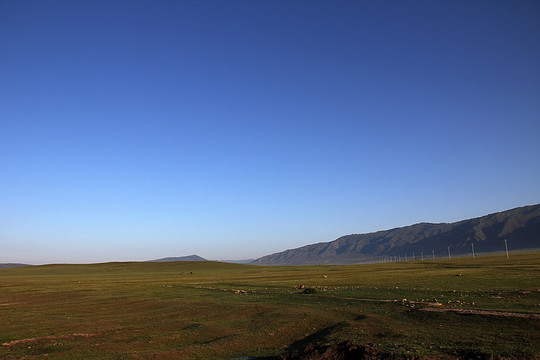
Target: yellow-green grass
<point x="193" y="310"/>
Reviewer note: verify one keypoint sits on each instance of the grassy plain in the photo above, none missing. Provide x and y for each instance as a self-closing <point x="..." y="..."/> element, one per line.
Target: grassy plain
<point x="194" y="310"/>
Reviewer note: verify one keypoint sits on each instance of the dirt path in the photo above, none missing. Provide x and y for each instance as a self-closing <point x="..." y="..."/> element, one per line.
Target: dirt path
<point x="34" y="339"/>
<point x="483" y="312"/>
<point x="435" y="307"/>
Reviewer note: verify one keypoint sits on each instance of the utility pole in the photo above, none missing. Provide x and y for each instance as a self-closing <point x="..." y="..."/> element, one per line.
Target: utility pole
<point x="506" y="247"/>
<point x="473" y="256"/>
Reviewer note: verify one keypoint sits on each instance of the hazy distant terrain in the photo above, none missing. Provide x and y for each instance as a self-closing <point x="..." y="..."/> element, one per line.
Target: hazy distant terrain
<point x="520" y="226"/>
<point x="180" y="258"/>
<point x="246" y="261"/>
<point x="12" y="265"/>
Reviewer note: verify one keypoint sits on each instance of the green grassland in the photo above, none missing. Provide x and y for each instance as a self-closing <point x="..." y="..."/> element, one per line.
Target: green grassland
<point x="205" y="310"/>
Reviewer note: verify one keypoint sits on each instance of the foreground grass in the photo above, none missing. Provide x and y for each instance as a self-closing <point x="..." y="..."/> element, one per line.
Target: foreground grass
<point x="195" y="309"/>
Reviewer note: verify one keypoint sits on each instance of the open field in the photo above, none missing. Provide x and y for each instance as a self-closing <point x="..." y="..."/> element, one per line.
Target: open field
<point x="204" y="310"/>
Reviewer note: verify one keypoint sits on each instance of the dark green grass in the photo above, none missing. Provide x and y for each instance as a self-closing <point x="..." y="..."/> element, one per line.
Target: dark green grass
<point x="194" y="310"/>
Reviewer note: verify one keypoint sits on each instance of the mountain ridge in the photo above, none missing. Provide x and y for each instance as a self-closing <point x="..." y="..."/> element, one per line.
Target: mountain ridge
<point x="180" y="258"/>
<point x="12" y="265"/>
<point x="520" y="226"/>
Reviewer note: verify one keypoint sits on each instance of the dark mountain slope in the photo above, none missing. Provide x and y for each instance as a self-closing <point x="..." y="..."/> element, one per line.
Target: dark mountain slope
<point x="520" y="226"/>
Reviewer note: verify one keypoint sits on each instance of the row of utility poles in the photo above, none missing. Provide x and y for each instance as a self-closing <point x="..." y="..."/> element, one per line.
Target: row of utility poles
<point x="398" y="258"/>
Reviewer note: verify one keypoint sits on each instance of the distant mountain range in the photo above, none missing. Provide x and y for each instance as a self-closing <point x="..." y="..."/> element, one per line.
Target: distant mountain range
<point x="11" y="265"/>
<point x="246" y="261"/>
<point x="520" y="227"/>
<point x="181" y="258"/>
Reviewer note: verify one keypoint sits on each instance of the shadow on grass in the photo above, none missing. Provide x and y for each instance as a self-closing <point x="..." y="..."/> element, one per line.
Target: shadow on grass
<point x="471" y="354"/>
<point x="316" y="338"/>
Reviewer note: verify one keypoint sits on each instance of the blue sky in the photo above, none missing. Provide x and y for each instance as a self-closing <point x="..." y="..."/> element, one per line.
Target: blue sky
<point x="133" y="130"/>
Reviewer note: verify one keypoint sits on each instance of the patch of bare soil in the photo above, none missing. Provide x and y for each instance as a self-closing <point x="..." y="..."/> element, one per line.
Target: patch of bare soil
<point x="41" y="338"/>
<point x="483" y="312"/>
<point x="349" y="351"/>
<point x="343" y="351"/>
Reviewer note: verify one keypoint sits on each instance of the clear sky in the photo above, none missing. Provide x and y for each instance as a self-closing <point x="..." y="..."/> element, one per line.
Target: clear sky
<point x="134" y="130"/>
